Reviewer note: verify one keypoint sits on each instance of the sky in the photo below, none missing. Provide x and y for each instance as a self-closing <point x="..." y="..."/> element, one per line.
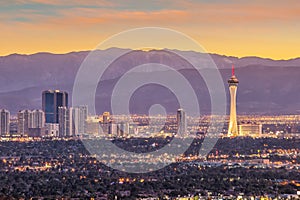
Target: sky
<point x="264" y="28"/>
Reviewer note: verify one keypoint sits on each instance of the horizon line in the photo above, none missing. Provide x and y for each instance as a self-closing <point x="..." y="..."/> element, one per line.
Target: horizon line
<point x="89" y="50"/>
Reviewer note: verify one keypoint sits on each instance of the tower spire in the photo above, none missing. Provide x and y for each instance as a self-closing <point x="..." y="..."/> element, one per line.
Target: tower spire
<point x="232" y="70"/>
<point x="232" y="127"/>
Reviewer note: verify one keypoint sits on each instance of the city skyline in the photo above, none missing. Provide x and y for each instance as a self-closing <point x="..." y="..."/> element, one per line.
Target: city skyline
<point x="75" y="121"/>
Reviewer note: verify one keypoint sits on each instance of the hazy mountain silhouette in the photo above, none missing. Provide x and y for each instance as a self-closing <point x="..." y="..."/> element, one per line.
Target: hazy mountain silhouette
<point x="266" y="86"/>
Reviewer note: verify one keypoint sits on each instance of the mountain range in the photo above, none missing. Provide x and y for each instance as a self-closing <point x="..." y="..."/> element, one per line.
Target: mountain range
<point x="266" y="86"/>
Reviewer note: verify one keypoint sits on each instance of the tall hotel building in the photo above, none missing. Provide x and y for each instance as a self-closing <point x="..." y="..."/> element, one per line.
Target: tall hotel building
<point x="4" y="122"/>
<point x="72" y="121"/>
<point x="80" y="114"/>
<point x="38" y="119"/>
<point x="29" y="120"/>
<point x="24" y="122"/>
<point x="233" y="128"/>
<point x="51" y="101"/>
<point x="181" y="122"/>
<point x="105" y="124"/>
<point x="66" y="128"/>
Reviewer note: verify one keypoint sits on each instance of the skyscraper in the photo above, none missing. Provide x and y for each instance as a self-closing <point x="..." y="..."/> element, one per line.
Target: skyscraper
<point x="79" y="119"/>
<point x="72" y="121"/>
<point x="232" y="127"/>
<point x="92" y="125"/>
<point x="123" y="129"/>
<point x="24" y="122"/>
<point x="106" y="117"/>
<point x="38" y="119"/>
<point x="105" y="122"/>
<point x="31" y="123"/>
<point x="181" y="122"/>
<point x="4" y="122"/>
<point x="112" y="129"/>
<point x="51" y="101"/>
<point x="66" y="128"/>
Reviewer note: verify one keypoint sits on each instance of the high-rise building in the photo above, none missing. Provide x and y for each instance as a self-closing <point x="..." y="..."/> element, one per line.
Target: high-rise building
<point x="31" y="122"/>
<point x="79" y="119"/>
<point x="92" y="125"/>
<point x="232" y="127"/>
<point x="181" y="122"/>
<point x="4" y="122"/>
<point x="72" y="121"/>
<point x="120" y="129"/>
<point x="66" y="128"/>
<point x="123" y="129"/>
<point x="24" y="122"/>
<point x="112" y="129"/>
<point x="106" y="117"/>
<point x="51" y="101"/>
<point x="38" y="119"/>
<point x="62" y="118"/>
<point x="105" y="122"/>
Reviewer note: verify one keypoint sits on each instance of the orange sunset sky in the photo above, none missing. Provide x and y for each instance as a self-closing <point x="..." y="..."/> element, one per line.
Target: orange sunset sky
<point x="264" y="28"/>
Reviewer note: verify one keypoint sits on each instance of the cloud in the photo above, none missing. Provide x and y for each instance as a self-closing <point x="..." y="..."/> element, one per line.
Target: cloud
<point x="209" y="14"/>
<point x="86" y="17"/>
<point x="59" y="2"/>
<point x="92" y="16"/>
<point x="186" y="12"/>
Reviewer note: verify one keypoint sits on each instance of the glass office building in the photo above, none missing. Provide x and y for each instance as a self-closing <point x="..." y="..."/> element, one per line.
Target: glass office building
<point x="52" y="100"/>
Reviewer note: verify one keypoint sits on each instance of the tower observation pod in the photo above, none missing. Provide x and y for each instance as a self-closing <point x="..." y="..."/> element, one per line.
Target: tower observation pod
<point x="233" y="128"/>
